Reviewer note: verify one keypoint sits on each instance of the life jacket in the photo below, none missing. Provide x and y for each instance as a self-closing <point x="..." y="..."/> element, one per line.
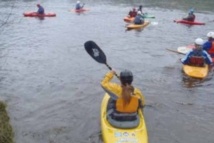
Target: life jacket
<point x="196" y="61"/>
<point x="211" y="50"/>
<point x="129" y="108"/>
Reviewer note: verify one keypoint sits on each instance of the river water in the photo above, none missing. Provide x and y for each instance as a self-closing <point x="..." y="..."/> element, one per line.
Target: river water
<point x="52" y="86"/>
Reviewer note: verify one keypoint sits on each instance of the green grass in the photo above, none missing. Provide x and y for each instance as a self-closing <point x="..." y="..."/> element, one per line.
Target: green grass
<point x="6" y="131"/>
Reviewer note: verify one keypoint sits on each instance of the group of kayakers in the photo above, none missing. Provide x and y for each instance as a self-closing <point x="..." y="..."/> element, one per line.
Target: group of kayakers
<point x="203" y="52"/>
<point x="124" y="97"/>
<point x="41" y="10"/>
<point x="137" y="14"/>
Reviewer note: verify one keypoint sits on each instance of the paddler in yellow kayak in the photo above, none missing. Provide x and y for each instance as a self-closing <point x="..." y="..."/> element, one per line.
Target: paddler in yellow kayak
<point x="124" y="98"/>
<point x="197" y="56"/>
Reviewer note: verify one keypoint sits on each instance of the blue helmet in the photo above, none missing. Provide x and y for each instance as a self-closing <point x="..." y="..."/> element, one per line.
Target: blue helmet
<point x="191" y="10"/>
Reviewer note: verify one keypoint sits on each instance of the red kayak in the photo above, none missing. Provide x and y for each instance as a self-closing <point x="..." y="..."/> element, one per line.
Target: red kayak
<point x="189" y="22"/>
<point x="35" y="14"/>
<point x="79" y="10"/>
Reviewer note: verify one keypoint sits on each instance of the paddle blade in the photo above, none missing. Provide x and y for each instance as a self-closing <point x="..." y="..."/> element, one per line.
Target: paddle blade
<point x="95" y="52"/>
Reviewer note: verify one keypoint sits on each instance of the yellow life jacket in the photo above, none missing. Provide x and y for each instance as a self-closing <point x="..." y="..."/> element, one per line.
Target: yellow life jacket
<point x="127" y="108"/>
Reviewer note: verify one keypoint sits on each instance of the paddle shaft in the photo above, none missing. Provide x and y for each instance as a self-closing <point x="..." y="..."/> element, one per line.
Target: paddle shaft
<point x="111" y="69"/>
<point x="175" y="51"/>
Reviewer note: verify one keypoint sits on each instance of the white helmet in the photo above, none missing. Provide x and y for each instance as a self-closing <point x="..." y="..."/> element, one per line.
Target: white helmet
<point x="199" y="41"/>
<point x="210" y="34"/>
<point x="78" y="1"/>
<point x="138" y="12"/>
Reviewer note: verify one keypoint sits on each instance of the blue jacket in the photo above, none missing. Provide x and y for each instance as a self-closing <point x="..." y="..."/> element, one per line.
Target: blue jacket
<point x="207" y="45"/>
<point x="41" y="10"/>
<point x="139" y="19"/>
<point x="206" y="56"/>
<point x="78" y="6"/>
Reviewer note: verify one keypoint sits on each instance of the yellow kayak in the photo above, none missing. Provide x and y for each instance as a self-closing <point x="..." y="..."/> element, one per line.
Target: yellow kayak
<point x="133" y="132"/>
<point x="137" y="26"/>
<point x="197" y="72"/>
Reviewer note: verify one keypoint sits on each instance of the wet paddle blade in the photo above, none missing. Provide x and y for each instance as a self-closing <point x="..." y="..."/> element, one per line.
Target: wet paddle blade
<point x="95" y="52"/>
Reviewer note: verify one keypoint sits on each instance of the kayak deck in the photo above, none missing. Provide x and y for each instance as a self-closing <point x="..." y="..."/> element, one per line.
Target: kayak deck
<point x="137" y="26"/>
<point x="111" y="134"/>
<point x="79" y="10"/>
<point x="196" y="72"/>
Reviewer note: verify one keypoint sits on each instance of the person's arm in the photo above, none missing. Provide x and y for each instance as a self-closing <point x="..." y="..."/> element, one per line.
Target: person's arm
<point x="112" y="89"/>
<point x="83" y="5"/>
<point x="185" y="59"/>
<point x="208" y="58"/>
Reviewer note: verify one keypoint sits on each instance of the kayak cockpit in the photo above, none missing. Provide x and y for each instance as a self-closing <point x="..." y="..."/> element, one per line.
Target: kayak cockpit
<point x="121" y="120"/>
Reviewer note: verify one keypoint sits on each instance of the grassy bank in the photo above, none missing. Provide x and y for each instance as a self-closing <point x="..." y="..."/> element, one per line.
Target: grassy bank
<point x="6" y="131"/>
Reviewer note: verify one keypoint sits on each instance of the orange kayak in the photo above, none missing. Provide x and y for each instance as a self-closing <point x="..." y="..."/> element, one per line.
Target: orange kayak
<point x="35" y="14"/>
<point x="137" y="26"/>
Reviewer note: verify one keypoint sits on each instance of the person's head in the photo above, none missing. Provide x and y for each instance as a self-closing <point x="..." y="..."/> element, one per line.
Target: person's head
<point x="78" y="1"/>
<point x="198" y="44"/>
<point x="134" y="9"/>
<point x="38" y="5"/>
<point x="126" y="77"/>
<point x="191" y="11"/>
<point x="140" y="6"/>
<point x="210" y="35"/>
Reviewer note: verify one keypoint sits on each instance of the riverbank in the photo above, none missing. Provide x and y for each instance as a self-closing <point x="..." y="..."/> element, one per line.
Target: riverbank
<point x="6" y="131"/>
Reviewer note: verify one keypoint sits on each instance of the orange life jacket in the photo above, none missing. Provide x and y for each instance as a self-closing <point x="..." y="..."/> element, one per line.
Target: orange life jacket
<point x="129" y="108"/>
<point x="196" y="61"/>
<point x="211" y="50"/>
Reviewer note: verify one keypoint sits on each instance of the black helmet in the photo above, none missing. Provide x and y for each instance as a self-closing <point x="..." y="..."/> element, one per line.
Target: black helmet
<point x="126" y="77"/>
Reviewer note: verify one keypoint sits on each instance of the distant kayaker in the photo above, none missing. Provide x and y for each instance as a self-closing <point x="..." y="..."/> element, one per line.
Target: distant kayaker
<point x="132" y="13"/>
<point x="197" y="56"/>
<point x="139" y="19"/>
<point x="140" y="9"/>
<point x="40" y="9"/>
<point x="124" y="97"/>
<point x="79" y="6"/>
<point x="209" y="45"/>
<point x="191" y="16"/>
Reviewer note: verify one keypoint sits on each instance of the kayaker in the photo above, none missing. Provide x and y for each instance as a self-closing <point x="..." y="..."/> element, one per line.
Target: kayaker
<point x="197" y="56"/>
<point x="139" y="19"/>
<point x="125" y="98"/>
<point x="191" y="16"/>
<point x="140" y="9"/>
<point x="40" y="9"/>
<point x="132" y="13"/>
<point x="209" y="45"/>
<point x="79" y="6"/>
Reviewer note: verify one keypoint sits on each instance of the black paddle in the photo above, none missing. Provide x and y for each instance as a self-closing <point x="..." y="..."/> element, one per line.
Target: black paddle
<point x="96" y="53"/>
